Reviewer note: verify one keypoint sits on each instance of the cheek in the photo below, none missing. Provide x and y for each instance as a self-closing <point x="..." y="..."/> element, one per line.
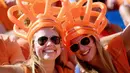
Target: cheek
<point x="59" y="49"/>
<point x="38" y="49"/>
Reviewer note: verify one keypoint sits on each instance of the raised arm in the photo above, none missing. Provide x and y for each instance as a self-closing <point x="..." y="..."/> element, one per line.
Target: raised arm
<point x="11" y="69"/>
<point x="126" y="37"/>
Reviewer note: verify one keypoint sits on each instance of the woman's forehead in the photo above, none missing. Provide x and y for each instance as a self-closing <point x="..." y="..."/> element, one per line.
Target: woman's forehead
<point x="46" y="32"/>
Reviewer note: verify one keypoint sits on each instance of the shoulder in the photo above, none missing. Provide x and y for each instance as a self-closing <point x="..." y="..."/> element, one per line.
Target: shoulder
<point x="116" y="47"/>
<point x="11" y="69"/>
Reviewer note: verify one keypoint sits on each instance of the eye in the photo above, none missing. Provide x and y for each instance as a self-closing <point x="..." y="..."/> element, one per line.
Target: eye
<point x="42" y="40"/>
<point x="55" y="39"/>
<point x="74" y="47"/>
<point x="85" y="41"/>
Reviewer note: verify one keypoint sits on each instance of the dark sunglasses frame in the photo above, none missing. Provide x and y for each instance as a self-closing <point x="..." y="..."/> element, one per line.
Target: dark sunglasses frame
<point x="43" y="39"/>
<point x="84" y="41"/>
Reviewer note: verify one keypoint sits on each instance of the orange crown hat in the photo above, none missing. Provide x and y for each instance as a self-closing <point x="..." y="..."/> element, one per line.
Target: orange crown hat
<point x="42" y="13"/>
<point x="79" y="17"/>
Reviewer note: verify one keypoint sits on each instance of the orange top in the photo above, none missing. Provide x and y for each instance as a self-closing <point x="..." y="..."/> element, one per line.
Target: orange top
<point x="59" y="69"/>
<point x="10" y="52"/>
<point x="3" y="16"/>
<point x="106" y="33"/>
<point x="119" y="55"/>
<point x="24" y="46"/>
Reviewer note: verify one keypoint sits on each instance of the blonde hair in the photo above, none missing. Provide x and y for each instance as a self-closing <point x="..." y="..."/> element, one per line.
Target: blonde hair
<point x="105" y="58"/>
<point x="34" y="62"/>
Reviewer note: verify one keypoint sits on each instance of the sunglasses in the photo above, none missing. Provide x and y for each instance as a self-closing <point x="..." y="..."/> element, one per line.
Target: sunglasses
<point x="42" y="40"/>
<point x="84" y="41"/>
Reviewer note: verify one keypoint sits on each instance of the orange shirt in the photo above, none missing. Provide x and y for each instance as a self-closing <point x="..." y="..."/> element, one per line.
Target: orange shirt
<point x="119" y="56"/>
<point x="3" y="16"/>
<point x="24" y="46"/>
<point x="10" y="52"/>
<point x="58" y="68"/>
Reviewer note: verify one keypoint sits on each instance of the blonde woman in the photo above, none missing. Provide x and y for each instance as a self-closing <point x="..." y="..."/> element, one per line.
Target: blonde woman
<point x="44" y="35"/>
<point x="82" y="38"/>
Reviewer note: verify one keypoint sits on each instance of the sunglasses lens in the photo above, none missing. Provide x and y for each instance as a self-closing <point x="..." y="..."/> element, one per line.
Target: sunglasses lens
<point x="42" y="40"/>
<point x="85" y="41"/>
<point x="74" y="47"/>
<point x="55" y="39"/>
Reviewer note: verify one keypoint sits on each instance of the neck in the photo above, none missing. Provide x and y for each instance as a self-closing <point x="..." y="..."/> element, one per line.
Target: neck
<point x="48" y="65"/>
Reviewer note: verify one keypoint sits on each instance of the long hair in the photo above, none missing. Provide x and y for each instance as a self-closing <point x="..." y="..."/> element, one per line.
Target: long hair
<point x="104" y="56"/>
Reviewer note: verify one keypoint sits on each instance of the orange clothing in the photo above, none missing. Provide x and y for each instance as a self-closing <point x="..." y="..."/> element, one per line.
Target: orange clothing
<point x="119" y="56"/>
<point x="106" y="33"/>
<point x="10" y="52"/>
<point x="58" y="68"/>
<point x="24" y="46"/>
<point x="3" y="16"/>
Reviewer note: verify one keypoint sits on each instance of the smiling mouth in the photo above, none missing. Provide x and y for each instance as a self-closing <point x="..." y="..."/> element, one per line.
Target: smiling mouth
<point x="86" y="52"/>
<point x="49" y="51"/>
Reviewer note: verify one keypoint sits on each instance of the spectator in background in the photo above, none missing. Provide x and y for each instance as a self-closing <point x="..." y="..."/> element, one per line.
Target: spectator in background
<point x="23" y="44"/>
<point x="10" y="51"/>
<point x="5" y="23"/>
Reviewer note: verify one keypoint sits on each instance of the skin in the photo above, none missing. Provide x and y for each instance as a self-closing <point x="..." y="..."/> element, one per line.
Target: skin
<point x="48" y="58"/>
<point x="124" y="12"/>
<point x="49" y="45"/>
<point x="82" y="52"/>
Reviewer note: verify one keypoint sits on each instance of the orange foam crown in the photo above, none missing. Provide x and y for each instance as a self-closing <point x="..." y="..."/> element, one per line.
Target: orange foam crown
<point x="68" y="19"/>
<point x="41" y="13"/>
<point x="79" y="19"/>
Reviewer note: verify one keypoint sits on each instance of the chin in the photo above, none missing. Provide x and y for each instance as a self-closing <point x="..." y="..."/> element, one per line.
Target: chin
<point x="49" y="58"/>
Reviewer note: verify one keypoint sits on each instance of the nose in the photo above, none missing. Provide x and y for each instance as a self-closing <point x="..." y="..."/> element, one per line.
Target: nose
<point x="49" y="42"/>
<point x="82" y="48"/>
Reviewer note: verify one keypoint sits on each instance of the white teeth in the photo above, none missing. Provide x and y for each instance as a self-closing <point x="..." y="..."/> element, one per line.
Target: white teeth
<point x="86" y="52"/>
<point x="48" y="51"/>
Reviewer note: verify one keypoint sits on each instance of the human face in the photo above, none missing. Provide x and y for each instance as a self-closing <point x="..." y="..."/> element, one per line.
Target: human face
<point x="47" y="44"/>
<point x="86" y="52"/>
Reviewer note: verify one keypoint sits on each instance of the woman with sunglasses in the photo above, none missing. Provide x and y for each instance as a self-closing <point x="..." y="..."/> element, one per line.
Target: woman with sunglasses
<point x="82" y="38"/>
<point x="44" y="34"/>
